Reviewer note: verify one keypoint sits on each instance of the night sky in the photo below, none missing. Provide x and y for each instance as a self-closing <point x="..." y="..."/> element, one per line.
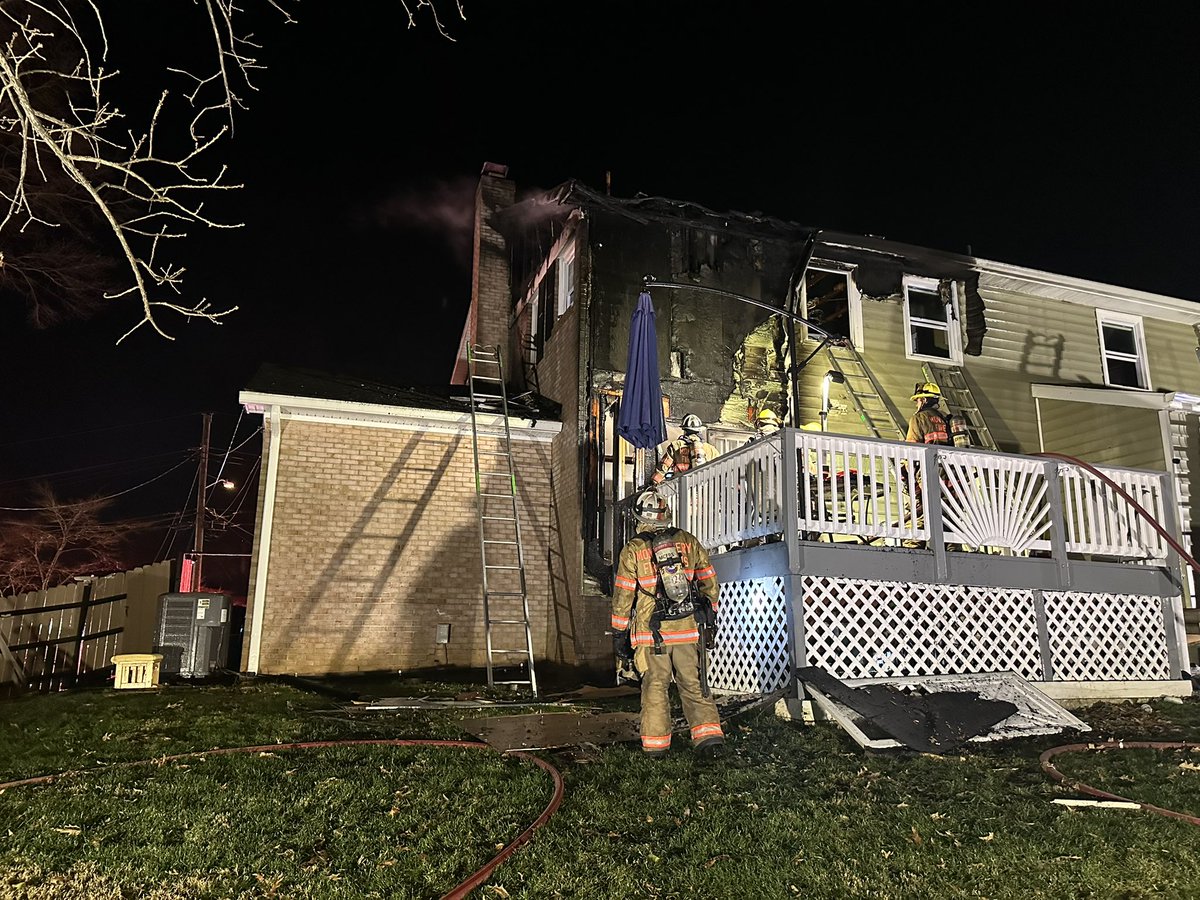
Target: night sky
<point x="1057" y="138"/>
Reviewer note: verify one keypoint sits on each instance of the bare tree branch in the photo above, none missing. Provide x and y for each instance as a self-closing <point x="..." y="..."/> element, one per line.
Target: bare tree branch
<point x="144" y="186"/>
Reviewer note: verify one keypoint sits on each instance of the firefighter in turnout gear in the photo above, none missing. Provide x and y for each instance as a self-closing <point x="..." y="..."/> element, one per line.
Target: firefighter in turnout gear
<point x="664" y="616"/>
<point x="928" y="425"/>
<point x="766" y="423"/>
<point x="686" y="451"/>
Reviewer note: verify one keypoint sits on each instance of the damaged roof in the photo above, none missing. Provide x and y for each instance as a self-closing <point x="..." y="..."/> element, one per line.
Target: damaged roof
<point x="272" y="378"/>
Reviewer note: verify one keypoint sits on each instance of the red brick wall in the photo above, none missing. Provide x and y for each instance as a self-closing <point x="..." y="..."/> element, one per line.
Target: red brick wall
<point x="375" y="542"/>
<point x="579" y="619"/>
<point x="491" y="292"/>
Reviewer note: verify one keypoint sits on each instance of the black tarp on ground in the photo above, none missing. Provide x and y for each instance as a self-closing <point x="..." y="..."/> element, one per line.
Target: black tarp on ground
<point x="938" y="722"/>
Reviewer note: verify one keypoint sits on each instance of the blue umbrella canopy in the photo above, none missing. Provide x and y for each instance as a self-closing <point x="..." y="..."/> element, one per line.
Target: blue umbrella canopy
<point x="641" y="419"/>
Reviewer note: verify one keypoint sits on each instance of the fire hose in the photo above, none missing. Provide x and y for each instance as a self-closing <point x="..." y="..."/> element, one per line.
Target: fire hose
<point x="1053" y="772"/>
<point x="464" y="888"/>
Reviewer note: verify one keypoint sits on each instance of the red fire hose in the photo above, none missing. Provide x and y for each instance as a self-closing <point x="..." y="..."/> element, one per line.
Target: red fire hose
<point x="1054" y="773"/>
<point x="464" y="888"/>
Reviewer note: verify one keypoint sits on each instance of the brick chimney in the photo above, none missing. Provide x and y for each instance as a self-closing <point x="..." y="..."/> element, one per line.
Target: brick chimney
<point x="491" y="290"/>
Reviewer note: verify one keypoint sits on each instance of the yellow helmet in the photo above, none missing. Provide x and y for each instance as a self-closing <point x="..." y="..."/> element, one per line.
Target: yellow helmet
<point x="924" y="389"/>
<point x="766" y="417"/>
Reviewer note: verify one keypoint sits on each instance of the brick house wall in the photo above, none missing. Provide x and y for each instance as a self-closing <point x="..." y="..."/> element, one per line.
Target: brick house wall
<point x="375" y="542"/>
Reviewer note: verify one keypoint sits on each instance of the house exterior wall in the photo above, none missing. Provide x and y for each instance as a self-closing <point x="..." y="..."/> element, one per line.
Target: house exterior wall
<point x="1088" y="430"/>
<point x="375" y="542"/>
<point x="699" y="334"/>
<point x="1029" y="340"/>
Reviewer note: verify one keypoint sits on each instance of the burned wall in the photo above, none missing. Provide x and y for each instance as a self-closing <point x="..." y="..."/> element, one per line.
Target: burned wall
<point x="703" y="346"/>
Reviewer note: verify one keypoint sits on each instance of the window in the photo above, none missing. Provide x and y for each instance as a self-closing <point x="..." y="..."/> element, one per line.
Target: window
<point x="566" y="279"/>
<point x="1122" y="350"/>
<point x="931" y="329"/>
<point x="832" y="302"/>
<point x="552" y="294"/>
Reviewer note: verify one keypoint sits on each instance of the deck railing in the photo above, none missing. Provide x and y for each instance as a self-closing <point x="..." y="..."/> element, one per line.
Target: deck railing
<point x="885" y="492"/>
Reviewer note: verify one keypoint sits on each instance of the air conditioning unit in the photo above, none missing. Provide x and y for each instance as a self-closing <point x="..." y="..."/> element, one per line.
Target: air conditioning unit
<point x="193" y="633"/>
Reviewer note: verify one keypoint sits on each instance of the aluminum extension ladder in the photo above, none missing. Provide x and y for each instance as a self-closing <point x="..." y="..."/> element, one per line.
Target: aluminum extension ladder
<point x="958" y="395"/>
<point x="505" y="599"/>
<point x="865" y="393"/>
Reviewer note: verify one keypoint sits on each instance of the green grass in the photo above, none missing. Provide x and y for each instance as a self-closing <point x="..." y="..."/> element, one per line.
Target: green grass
<point x="794" y="811"/>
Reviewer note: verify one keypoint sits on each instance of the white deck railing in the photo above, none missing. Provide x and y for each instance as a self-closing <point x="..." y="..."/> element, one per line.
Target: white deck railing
<point x="883" y="492"/>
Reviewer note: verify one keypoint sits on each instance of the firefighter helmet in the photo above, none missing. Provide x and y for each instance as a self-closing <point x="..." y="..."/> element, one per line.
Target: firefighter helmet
<point x="651" y="508"/>
<point x="926" y="389"/>
<point x="765" y="418"/>
<point x="692" y="424"/>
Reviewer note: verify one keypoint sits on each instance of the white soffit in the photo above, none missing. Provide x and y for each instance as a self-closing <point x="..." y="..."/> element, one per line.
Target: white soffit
<point x="397" y="418"/>
<point x="1104" y="396"/>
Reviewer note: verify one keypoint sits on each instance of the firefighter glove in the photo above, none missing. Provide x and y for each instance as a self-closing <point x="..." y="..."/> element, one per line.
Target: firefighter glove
<point x="622" y="645"/>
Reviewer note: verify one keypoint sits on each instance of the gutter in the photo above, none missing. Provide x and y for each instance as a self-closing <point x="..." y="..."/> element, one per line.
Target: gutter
<point x="400" y="418"/>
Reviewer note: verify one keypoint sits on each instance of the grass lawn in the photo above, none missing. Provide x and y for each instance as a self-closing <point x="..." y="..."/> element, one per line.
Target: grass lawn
<point x="793" y="811"/>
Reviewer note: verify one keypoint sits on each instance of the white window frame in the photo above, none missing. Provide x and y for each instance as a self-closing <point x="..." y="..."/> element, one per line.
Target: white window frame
<point x="1139" y="358"/>
<point x="565" y="282"/>
<point x="853" y="300"/>
<point x="951" y="326"/>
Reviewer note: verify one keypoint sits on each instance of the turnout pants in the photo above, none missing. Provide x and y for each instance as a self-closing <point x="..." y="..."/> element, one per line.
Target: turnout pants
<point x="682" y="661"/>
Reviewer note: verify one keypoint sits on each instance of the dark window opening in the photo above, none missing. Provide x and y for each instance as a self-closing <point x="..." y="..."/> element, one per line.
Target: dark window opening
<point x="828" y="301"/>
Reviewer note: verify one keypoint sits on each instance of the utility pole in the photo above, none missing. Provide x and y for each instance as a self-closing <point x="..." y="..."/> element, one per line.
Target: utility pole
<point x="201" y="493"/>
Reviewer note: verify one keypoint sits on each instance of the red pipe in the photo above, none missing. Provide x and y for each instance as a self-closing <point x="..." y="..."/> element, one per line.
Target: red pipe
<point x="463" y="888"/>
<point x="1054" y="773"/>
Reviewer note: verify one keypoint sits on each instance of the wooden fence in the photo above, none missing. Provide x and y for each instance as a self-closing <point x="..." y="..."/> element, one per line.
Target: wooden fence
<point x="55" y="639"/>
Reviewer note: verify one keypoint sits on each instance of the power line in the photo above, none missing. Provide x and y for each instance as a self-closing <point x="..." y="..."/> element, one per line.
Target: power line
<point x="55" y="437"/>
<point x="114" y="464"/>
<point x="96" y="499"/>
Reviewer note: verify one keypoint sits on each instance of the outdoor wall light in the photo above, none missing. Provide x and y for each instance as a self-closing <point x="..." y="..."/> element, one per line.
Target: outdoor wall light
<point x="831" y="377"/>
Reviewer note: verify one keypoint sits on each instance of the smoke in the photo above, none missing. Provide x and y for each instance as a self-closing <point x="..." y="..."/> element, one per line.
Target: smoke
<point x="443" y="210"/>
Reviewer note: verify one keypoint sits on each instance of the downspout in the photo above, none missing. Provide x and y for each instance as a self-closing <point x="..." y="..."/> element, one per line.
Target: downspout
<point x="264" y="542"/>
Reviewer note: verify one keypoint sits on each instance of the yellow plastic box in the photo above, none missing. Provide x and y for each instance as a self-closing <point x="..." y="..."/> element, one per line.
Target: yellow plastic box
<point x="136" y="670"/>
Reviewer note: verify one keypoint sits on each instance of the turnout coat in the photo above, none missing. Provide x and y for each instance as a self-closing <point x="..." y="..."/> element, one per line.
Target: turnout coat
<point x="636" y="583"/>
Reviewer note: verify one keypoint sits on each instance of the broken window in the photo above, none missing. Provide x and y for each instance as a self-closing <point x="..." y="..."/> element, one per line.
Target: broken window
<point x="566" y="279"/>
<point x="551" y="295"/>
<point x="1122" y="350"/>
<point x="832" y="302"/>
<point x="931" y="328"/>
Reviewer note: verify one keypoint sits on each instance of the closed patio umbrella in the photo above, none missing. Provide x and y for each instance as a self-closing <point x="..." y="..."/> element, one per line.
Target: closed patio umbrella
<point x="641" y="418"/>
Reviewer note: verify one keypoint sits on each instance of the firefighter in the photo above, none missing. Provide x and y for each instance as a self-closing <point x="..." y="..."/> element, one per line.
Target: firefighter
<point x="664" y="606"/>
<point x="686" y="451"/>
<point x="928" y="425"/>
<point x="766" y="423"/>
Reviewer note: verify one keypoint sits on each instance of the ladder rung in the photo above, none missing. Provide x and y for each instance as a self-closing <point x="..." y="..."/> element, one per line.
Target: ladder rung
<point x="522" y="681"/>
<point x="491" y="541"/>
<point x="487" y="566"/>
<point x="507" y="622"/>
<point x="483" y="494"/>
<point x="505" y="593"/>
<point x="494" y="474"/>
<point x="492" y="378"/>
<point x="499" y="518"/>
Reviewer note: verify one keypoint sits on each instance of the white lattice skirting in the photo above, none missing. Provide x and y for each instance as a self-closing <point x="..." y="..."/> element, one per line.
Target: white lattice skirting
<point x="1107" y="637"/>
<point x="871" y="629"/>
<point x="753" y="649"/>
